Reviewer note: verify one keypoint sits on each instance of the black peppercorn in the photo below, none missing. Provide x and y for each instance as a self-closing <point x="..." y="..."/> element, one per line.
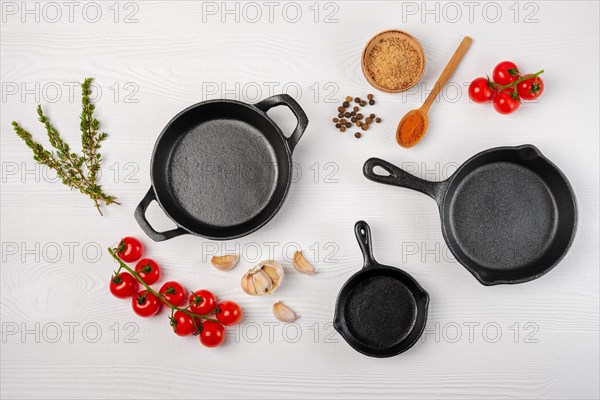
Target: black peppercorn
<point x="347" y="114"/>
<point x="357" y="99"/>
<point x="372" y="116"/>
<point x="337" y="126"/>
<point x="363" y="103"/>
<point x="371" y="102"/>
<point x="345" y="104"/>
<point x="353" y="119"/>
<point x="348" y="124"/>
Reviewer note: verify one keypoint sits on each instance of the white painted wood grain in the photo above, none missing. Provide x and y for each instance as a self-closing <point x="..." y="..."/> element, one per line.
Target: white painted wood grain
<point x="174" y="59"/>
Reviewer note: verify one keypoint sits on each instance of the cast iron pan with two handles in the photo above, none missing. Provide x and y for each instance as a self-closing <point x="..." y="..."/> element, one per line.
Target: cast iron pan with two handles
<point x="221" y="169"/>
<point x="508" y="214"/>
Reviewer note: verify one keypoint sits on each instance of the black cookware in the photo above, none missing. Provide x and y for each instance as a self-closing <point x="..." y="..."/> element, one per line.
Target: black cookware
<point x="381" y="311"/>
<point x="508" y="214"/>
<point x="221" y="169"/>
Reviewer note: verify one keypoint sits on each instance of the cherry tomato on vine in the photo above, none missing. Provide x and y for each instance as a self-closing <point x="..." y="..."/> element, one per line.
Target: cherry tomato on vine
<point x="213" y="334"/>
<point x="148" y="270"/>
<point x="505" y="73"/>
<point x="145" y="304"/>
<point x="183" y="325"/>
<point x="123" y="285"/>
<point x="130" y="249"/>
<point x="202" y="302"/>
<point x="507" y="101"/>
<point x="228" y="313"/>
<point x="531" y="88"/>
<point x="481" y="90"/>
<point x="173" y="292"/>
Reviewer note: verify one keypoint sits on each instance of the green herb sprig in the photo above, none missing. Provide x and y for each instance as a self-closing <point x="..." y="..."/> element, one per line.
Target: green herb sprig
<point x="76" y="171"/>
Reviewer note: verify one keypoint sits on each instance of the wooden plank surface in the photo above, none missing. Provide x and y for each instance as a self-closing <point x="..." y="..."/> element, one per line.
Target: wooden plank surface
<point x="64" y="336"/>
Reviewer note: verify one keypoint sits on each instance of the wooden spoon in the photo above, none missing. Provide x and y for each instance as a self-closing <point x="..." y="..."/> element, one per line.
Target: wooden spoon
<point x="413" y="125"/>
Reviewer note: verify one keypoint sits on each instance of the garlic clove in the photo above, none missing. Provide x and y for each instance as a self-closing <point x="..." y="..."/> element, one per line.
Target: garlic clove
<point x="248" y="285"/>
<point x="226" y="262"/>
<point x="262" y="283"/>
<point x="274" y="270"/>
<point x="283" y="313"/>
<point x="302" y="265"/>
<point x="273" y="265"/>
<point x="272" y="273"/>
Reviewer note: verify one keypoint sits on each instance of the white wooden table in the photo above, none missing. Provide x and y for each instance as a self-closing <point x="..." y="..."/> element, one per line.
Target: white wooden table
<point x="64" y="335"/>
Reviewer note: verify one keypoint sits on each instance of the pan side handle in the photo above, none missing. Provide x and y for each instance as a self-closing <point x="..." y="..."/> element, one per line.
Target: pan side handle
<point x="363" y="236"/>
<point x="140" y="217"/>
<point x="399" y="177"/>
<point x="287" y="100"/>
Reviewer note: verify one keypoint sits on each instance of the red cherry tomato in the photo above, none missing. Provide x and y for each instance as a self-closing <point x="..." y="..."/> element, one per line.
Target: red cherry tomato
<point x="123" y="285"/>
<point x="507" y="101"/>
<point x="145" y="304"/>
<point x="173" y="292"/>
<point x="530" y="89"/>
<point x="183" y="325"/>
<point x="202" y="302"/>
<point x="148" y="270"/>
<point x="506" y="72"/>
<point x="481" y="90"/>
<point x="130" y="249"/>
<point x="213" y="334"/>
<point x="228" y="313"/>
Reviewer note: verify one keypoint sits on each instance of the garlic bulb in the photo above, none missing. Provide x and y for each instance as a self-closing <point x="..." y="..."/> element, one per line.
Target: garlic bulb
<point x="283" y="313"/>
<point x="302" y="265"/>
<point x="226" y="262"/>
<point x="263" y="279"/>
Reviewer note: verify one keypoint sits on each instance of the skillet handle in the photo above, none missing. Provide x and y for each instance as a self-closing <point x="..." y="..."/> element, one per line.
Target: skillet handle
<point x="140" y="217"/>
<point x="363" y="236"/>
<point x="399" y="177"/>
<point x="287" y="100"/>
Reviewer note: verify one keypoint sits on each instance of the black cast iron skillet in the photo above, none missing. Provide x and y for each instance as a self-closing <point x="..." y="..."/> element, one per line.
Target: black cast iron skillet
<point x="508" y="214"/>
<point x="381" y="311"/>
<point x="221" y="169"/>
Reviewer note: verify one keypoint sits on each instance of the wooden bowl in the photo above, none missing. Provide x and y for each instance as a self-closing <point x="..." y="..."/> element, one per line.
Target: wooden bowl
<point x="376" y="39"/>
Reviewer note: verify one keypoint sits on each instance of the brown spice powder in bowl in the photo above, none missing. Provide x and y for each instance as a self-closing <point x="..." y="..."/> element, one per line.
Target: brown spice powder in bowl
<point x="393" y="61"/>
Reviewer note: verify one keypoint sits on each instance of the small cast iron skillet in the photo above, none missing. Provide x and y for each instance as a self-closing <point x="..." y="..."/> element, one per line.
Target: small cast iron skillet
<point x="508" y="214"/>
<point x="381" y="311"/>
<point x="221" y="169"/>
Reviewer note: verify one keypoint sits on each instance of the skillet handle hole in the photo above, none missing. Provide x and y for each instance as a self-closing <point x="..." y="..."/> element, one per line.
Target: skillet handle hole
<point x="364" y="236"/>
<point x="284" y="118"/>
<point x="158" y="219"/>
<point x="380" y="171"/>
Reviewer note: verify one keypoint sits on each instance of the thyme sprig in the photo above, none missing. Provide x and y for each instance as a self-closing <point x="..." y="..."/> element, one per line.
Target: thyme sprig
<point x="76" y="171"/>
